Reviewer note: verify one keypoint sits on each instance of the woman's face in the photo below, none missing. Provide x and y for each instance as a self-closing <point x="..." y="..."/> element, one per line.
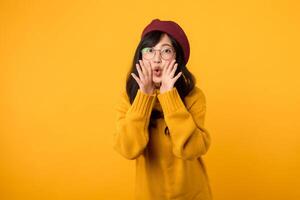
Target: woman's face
<point x="158" y="60"/>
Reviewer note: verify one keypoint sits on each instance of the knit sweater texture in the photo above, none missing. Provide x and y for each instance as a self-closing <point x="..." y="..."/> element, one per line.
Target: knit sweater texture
<point x="168" y="166"/>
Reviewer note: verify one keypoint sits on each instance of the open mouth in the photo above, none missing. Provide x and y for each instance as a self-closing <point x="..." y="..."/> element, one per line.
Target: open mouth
<point x="157" y="72"/>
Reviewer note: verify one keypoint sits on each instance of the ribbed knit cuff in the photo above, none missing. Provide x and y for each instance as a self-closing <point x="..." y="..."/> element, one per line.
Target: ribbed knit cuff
<point x="142" y="104"/>
<point x="170" y="101"/>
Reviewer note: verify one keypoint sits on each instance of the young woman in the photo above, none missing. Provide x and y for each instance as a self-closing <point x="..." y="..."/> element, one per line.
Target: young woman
<point x="160" y="118"/>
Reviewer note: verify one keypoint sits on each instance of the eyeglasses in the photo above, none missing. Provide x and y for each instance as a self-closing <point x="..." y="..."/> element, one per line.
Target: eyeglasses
<point x="166" y="52"/>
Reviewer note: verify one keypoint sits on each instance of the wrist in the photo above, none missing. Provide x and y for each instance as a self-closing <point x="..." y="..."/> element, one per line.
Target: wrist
<point x="149" y="92"/>
<point x="162" y="90"/>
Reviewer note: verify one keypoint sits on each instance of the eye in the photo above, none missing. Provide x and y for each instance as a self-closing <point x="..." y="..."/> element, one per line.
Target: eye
<point x="147" y="50"/>
<point x="168" y="50"/>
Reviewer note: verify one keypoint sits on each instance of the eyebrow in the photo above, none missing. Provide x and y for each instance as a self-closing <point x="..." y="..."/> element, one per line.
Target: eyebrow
<point x="166" y="44"/>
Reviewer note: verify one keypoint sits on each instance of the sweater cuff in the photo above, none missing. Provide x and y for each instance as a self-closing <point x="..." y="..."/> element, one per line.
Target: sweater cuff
<point x="142" y="104"/>
<point x="170" y="101"/>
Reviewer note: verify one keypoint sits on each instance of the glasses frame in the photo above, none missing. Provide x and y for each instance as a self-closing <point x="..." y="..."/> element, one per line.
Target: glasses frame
<point x="159" y="52"/>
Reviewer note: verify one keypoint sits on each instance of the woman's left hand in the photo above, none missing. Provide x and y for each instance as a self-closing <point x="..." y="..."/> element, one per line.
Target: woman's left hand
<point x="168" y="80"/>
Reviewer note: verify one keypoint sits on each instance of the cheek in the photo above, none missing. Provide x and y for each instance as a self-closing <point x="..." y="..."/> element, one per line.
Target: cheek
<point x="156" y="80"/>
<point x="144" y="60"/>
<point x="164" y="62"/>
<point x="148" y="61"/>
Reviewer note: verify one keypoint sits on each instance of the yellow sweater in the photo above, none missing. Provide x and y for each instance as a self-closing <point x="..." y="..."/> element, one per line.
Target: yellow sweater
<point x="167" y="166"/>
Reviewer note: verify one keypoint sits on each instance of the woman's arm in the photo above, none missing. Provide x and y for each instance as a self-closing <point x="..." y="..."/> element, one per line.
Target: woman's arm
<point x="131" y="135"/>
<point x="189" y="137"/>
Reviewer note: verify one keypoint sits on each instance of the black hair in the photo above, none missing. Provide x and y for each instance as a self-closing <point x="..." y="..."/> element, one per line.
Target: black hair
<point x="184" y="84"/>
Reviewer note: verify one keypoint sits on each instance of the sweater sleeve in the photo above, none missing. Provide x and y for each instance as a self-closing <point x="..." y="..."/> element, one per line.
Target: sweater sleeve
<point x="132" y="120"/>
<point x="189" y="137"/>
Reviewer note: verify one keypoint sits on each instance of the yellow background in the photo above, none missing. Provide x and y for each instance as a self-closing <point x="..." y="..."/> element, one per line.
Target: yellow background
<point x="63" y="65"/>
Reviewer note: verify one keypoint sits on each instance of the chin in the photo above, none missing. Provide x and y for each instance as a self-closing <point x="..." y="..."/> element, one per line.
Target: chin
<point x="157" y="81"/>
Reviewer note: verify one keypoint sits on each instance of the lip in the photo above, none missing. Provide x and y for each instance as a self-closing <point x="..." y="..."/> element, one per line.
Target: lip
<point x="157" y="71"/>
<point x="157" y="68"/>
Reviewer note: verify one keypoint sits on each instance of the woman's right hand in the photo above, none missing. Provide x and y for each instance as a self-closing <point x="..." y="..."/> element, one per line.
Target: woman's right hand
<point x="145" y="81"/>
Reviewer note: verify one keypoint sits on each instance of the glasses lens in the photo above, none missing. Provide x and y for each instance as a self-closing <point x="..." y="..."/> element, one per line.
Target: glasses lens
<point x="167" y="53"/>
<point x="148" y="52"/>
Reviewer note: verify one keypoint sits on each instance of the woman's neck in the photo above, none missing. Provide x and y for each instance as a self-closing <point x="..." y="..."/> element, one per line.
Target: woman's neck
<point x="157" y="85"/>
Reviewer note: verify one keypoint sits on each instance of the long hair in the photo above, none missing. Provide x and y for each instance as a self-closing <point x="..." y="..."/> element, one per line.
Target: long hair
<point x="184" y="84"/>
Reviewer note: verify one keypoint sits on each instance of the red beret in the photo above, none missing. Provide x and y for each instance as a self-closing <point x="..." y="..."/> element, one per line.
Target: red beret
<point x="173" y="29"/>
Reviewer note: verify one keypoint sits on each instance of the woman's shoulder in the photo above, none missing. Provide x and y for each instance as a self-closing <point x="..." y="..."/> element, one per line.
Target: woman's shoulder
<point x="196" y="95"/>
<point x="122" y="101"/>
<point x="124" y="95"/>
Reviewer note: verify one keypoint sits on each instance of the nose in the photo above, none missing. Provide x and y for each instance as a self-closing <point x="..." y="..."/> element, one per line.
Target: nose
<point x="157" y="57"/>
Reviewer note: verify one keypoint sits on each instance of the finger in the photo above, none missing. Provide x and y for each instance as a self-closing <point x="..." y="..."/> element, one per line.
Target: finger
<point x="171" y="66"/>
<point x="177" y="76"/>
<point x="139" y="71"/>
<point x="148" y="66"/>
<point x="174" y="70"/>
<point x="145" y="73"/>
<point x="165" y="67"/>
<point x="136" y="79"/>
<point x="148" y="70"/>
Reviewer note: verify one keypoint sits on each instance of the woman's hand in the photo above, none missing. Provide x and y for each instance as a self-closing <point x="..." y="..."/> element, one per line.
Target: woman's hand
<point x="168" y="79"/>
<point x="145" y="81"/>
